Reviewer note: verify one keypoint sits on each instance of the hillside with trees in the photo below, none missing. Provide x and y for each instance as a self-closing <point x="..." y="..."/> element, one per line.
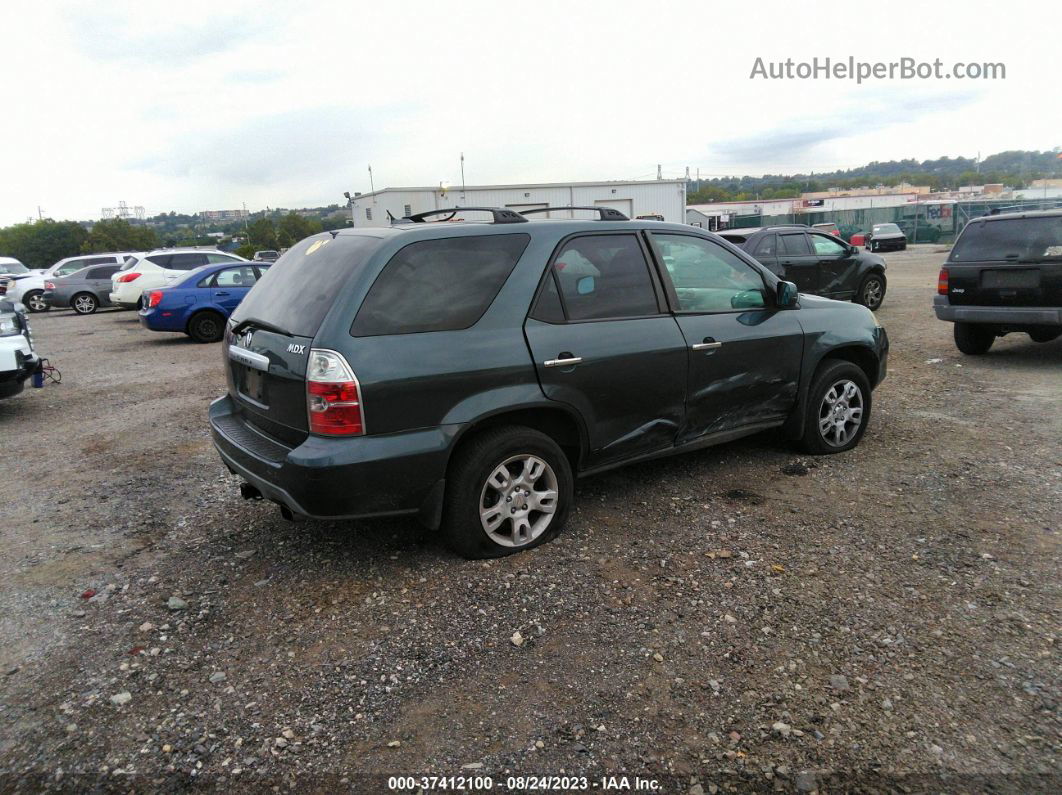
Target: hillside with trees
<point x="1015" y="169"/>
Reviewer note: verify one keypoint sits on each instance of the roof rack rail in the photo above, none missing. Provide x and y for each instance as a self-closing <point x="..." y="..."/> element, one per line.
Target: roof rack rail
<point x="607" y="213"/>
<point x="501" y="215"/>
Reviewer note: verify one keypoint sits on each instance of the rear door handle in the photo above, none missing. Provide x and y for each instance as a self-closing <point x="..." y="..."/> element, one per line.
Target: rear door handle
<point x="221" y="292"/>
<point x="568" y="361"/>
<point x="709" y="344"/>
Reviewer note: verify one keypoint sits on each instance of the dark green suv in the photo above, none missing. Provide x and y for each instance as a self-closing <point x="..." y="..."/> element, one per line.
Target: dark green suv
<point x="465" y="373"/>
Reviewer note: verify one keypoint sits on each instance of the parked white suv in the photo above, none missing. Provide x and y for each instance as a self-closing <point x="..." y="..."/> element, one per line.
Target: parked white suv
<point x="157" y="269"/>
<point x="29" y="289"/>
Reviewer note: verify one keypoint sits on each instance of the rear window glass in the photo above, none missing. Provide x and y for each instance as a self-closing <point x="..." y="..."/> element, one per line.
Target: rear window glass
<point x="438" y="285"/>
<point x="294" y="295"/>
<point x="1011" y="239"/>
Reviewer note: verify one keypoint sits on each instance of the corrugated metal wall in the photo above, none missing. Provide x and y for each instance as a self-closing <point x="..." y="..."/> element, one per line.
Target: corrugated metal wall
<point x="666" y="198"/>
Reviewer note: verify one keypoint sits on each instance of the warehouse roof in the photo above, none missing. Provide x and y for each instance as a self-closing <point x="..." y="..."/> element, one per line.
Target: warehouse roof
<point x="525" y="185"/>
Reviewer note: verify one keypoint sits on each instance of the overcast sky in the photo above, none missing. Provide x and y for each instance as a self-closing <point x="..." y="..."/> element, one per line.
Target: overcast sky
<point x="209" y="105"/>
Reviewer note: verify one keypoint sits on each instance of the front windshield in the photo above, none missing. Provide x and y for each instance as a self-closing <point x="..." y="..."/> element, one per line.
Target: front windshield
<point x="886" y="228"/>
<point x="13" y="267"/>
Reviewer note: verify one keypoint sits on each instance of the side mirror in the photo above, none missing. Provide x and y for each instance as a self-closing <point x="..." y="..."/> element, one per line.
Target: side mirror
<point x="786" y="297"/>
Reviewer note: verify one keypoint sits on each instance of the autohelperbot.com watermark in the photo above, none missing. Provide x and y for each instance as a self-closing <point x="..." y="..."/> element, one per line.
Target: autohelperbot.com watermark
<point x="860" y="71"/>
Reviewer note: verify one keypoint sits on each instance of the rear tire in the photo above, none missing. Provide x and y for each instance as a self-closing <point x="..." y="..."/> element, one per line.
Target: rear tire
<point x="871" y="291"/>
<point x="84" y="303"/>
<point x="206" y="327"/>
<point x="974" y="339"/>
<point x="838" y="408"/>
<point x="1045" y="333"/>
<point x="34" y="301"/>
<point x="495" y="488"/>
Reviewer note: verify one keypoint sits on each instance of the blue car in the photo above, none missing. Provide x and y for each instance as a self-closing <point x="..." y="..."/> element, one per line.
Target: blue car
<point x="200" y="302"/>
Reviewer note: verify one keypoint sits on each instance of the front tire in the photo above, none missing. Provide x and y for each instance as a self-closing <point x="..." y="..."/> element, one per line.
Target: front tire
<point x="507" y="490"/>
<point x="84" y="303"/>
<point x="206" y="327"/>
<point x="34" y="301"/>
<point x="974" y="339"/>
<point x="871" y="292"/>
<point x="838" y="408"/>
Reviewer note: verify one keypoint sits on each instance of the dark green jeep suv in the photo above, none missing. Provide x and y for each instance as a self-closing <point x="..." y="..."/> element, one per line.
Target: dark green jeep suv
<point x="465" y="373"/>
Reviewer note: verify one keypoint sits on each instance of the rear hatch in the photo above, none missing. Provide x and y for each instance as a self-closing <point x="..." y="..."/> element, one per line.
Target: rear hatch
<point x="1007" y="262"/>
<point x="268" y="339"/>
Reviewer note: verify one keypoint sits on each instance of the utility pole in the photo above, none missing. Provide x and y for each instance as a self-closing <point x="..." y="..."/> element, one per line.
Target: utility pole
<point x="659" y="173"/>
<point x="371" y="186"/>
<point x="462" y="175"/>
<point x="40" y="215"/>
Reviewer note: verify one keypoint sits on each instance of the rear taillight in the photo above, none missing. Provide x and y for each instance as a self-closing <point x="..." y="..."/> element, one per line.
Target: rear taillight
<point x="154" y="298"/>
<point x="942" y="282"/>
<point x="333" y="396"/>
<point x="125" y="278"/>
<point x="49" y="285"/>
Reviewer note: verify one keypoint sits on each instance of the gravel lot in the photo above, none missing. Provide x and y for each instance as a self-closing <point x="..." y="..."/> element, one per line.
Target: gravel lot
<point x="739" y="617"/>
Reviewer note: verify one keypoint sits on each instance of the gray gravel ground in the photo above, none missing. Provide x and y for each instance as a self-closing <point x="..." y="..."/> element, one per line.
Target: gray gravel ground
<point x="885" y="618"/>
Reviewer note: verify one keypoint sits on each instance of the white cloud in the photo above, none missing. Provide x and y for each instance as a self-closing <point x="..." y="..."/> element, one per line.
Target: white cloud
<point x="208" y="105"/>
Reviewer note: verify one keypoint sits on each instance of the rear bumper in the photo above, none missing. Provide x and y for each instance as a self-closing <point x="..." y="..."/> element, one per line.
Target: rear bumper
<point x="1005" y="315"/>
<point x="17" y="364"/>
<point x="353" y="478"/>
<point x="153" y="320"/>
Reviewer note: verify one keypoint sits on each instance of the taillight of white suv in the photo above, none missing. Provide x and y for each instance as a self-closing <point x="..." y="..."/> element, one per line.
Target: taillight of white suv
<point x="333" y="396"/>
<point x="127" y="277"/>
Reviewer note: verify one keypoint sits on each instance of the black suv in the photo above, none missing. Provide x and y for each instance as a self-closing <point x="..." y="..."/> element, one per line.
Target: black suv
<point x="816" y="262"/>
<point x="466" y="372"/>
<point x="1003" y="274"/>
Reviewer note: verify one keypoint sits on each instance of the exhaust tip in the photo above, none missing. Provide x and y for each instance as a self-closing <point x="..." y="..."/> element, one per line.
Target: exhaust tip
<point x="249" y="492"/>
<point x="285" y="511"/>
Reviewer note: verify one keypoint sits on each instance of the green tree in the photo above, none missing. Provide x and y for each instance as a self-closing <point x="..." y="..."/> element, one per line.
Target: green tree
<point x="262" y="234"/>
<point x="296" y="227"/>
<point x="117" y="234"/>
<point x="42" y="243"/>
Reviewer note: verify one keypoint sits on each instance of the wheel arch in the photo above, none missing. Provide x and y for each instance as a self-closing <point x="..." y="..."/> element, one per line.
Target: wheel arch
<point x="199" y="310"/>
<point x="553" y="419"/>
<point x="862" y="356"/>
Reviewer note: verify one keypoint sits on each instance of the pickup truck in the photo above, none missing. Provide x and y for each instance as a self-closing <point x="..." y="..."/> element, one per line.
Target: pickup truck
<point x="1003" y="275"/>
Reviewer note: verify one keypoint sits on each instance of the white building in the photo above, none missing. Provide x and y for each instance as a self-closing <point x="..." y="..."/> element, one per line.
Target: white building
<point x="665" y="198"/>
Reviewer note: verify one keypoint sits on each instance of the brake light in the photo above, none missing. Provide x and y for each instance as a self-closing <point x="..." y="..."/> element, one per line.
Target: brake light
<point x="942" y="282"/>
<point x="154" y="298"/>
<point x="125" y="278"/>
<point x="49" y="285"/>
<point x="333" y="396"/>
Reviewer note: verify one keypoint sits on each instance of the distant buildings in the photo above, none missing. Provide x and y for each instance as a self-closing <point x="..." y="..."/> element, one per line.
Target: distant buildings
<point x="223" y="215"/>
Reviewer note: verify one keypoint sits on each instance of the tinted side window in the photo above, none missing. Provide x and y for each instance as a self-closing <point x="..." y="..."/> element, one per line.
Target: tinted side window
<point x="794" y="245"/>
<point x="438" y="285"/>
<point x="99" y="261"/>
<point x="186" y="262"/>
<point x="548" y="307"/>
<point x="162" y="260"/>
<point x="708" y="277"/>
<point x="105" y="272"/>
<point x="604" y="276"/>
<point x="827" y="247"/>
<point x="767" y="247"/>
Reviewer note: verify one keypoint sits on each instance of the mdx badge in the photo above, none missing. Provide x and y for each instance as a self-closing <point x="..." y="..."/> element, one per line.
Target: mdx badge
<point x="293" y="348"/>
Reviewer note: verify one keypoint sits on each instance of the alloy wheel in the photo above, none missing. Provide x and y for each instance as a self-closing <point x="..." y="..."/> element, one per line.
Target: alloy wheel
<point x="841" y="413"/>
<point x="84" y="304"/>
<point x="36" y="303"/>
<point x="518" y="500"/>
<point x="872" y="293"/>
